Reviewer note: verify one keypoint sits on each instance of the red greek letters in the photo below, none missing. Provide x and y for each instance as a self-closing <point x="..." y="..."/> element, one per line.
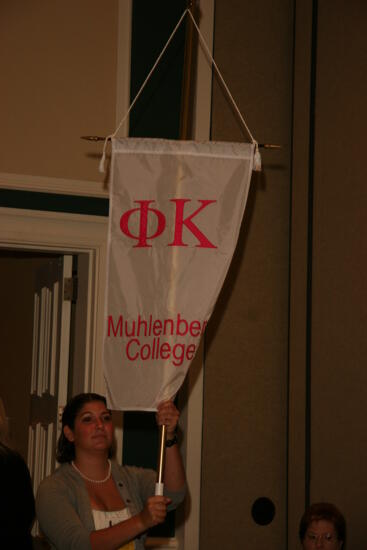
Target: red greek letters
<point x="182" y="221"/>
<point x="143" y="229"/>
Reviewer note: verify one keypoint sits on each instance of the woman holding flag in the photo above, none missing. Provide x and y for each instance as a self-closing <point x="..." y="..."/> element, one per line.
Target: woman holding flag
<point x="93" y="503"/>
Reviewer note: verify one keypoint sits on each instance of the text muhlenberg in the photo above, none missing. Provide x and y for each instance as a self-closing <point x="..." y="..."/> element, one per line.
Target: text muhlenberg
<point x="148" y="338"/>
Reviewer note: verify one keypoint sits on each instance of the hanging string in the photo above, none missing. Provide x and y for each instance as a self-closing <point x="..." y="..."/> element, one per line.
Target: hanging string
<point x="103" y="159"/>
<point x="257" y="157"/>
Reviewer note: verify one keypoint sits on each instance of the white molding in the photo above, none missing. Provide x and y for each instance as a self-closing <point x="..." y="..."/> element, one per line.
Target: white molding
<point x="67" y="233"/>
<point x="43" y="184"/>
<point x="188" y="529"/>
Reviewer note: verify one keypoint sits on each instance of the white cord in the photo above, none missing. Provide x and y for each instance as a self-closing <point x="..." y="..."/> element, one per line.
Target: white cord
<point x="257" y="157"/>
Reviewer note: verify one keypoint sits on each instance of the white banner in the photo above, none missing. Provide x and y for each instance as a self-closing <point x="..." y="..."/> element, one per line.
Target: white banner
<point x="175" y="212"/>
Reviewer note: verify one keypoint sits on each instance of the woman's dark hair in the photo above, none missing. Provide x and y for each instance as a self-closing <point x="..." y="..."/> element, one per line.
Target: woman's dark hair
<point x="17" y="509"/>
<point x="323" y="511"/>
<point x="65" y="449"/>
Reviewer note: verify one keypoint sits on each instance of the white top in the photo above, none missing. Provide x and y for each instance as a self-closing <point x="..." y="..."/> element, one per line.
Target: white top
<point x="106" y="518"/>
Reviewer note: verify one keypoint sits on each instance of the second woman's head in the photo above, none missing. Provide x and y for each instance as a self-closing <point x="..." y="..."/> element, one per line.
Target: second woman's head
<point x="86" y="427"/>
<point x="322" y="526"/>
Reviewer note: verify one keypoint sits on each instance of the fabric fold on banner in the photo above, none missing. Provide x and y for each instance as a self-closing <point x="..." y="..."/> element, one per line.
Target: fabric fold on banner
<point x="175" y="213"/>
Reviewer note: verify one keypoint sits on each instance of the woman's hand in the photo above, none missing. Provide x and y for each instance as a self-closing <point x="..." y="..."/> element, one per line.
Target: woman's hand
<point x="116" y="536"/>
<point x="154" y="511"/>
<point x="168" y="415"/>
<point x="174" y="473"/>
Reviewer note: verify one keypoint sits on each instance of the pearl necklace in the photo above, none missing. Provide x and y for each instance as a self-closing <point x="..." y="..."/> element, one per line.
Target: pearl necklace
<point x="93" y="480"/>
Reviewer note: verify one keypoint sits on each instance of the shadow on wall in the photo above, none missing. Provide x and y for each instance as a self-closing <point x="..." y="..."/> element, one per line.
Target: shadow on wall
<point x="258" y="182"/>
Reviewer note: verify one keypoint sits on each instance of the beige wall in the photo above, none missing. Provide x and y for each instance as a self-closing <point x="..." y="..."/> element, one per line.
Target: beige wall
<point x="339" y="290"/>
<point x="58" y="82"/>
<point x="245" y="394"/>
<point x="255" y="435"/>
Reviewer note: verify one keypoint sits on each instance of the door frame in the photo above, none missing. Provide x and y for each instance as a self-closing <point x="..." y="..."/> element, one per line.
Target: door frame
<point x="65" y="233"/>
<point x="86" y="237"/>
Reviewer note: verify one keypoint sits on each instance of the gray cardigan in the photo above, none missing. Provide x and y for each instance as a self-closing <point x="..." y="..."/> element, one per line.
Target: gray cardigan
<point x="63" y="507"/>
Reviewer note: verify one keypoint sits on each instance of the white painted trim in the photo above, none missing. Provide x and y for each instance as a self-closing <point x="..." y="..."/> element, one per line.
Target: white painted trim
<point x="67" y="233"/>
<point x="42" y="184"/>
<point x="65" y="306"/>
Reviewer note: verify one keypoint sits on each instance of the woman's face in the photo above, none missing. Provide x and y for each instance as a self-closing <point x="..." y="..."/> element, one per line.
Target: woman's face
<point x="93" y="429"/>
<point x="321" y="534"/>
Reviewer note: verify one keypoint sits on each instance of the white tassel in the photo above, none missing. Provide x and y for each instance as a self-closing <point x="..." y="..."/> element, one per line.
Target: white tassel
<point x="257" y="159"/>
<point x="102" y="162"/>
